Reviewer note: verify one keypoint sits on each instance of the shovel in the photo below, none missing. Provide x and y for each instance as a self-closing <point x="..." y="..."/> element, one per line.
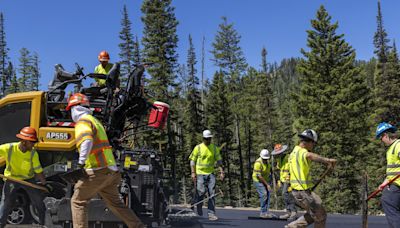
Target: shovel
<point x="26" y="183"/>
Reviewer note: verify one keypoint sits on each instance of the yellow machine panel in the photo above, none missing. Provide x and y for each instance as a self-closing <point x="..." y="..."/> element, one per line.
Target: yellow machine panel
<point x="56" y="139"/>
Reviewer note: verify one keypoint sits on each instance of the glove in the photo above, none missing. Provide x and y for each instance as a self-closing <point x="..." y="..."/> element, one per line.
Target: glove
<point x="49" y="187"/>
<point x="73" y="176"/>
<point x="279" y="184"/>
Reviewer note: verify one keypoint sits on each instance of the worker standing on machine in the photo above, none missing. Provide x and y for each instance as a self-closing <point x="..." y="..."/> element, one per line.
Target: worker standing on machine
<point x="103" y="68"/>
<point x="97" y="162"/>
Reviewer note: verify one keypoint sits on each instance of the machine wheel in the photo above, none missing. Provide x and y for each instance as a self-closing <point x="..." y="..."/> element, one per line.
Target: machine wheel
<point x="20" y="213"/>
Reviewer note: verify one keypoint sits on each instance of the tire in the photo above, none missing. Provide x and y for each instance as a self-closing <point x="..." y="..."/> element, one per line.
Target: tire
<point x="20" y="213"/>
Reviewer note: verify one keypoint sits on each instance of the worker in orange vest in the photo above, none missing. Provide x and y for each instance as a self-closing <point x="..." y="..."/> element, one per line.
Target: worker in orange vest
<point x="97" y="162"/>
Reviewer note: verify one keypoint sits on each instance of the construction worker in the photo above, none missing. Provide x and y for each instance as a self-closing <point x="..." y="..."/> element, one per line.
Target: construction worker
<point x="103" y="68"/>
<point x="98" y="165"/>
<point x="391" y="193"/>
<point x="22" y="163"/>
<point x="203" y="159"/>
<point x="261" y="176"/>
<point x="300" y="181"/>
<point x="279" y="153"/>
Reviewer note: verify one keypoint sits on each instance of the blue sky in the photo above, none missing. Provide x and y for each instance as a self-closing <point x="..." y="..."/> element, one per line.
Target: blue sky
<point x="76" y="30"/>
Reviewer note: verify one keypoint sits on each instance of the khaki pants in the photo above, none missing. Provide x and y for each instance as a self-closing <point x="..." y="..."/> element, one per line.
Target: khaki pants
<point x="103" y="182"/>
<point x="315" y="211"/>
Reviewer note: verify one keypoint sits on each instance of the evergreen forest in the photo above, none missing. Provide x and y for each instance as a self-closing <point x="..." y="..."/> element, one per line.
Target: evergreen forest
<point x="249" y="108"/>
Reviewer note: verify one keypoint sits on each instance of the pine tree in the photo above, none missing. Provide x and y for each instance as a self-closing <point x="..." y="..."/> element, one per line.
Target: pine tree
<point x="5" y="80"/>
<point x="220" y="122"/>
<point x="380" y="38"/>
<point x="137" y="58"/>
<point x="333" y="100"/>
<point x="229" y="57"/>
<point x="25" y="70"/>
<point x="126" y="46"/>
<point x="13" y="88"/>
<point x="34" y="82"/>
<point x="159" y="47"/>
<point x="193" y="97"/>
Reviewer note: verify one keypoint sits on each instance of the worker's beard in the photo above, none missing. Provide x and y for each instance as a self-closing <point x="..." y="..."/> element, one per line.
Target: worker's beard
<point x="78" y="111"/>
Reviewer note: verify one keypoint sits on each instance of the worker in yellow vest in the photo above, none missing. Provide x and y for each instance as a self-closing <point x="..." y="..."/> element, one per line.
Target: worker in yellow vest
<point x="103" y="68"/>
<point x="281" y="156"/>
<point x="203" y="159"/>
<point x="22" y="163"/>
<point x="261" y="178"/>
<point x="98" y="165"/>
<point x="390" y="199"/>
<point x="300" y="181"/>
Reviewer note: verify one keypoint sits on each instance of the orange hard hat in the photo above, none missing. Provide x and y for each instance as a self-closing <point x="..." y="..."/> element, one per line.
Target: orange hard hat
<point x="77" y="99"/>
<point x="104" y="56"/>
<point x="28" y="133"/>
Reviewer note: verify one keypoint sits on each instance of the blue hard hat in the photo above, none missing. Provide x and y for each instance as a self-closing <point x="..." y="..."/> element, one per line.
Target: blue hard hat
<point x="382" y="127"/>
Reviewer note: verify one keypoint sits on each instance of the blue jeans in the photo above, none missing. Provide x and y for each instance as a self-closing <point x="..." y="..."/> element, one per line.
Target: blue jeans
<point x="263" y="193"/>
<point x="203" y="182"/>
<point x="7" y="200"/>
<point x="391" y="205"/>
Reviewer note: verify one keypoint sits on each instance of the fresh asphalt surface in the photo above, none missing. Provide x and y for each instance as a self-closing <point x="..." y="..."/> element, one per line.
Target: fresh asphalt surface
<point x="239" y="218"/>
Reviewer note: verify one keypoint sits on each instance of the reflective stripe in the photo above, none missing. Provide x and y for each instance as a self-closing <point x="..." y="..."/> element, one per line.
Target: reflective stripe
<point x="81" y="136"/>
<point x="9" y="157"/>
<point x="393" y="166"/>
<point x="392" y="173"/>
<point x="101" y="153"/>
<point x="204" y="165"/>
<point x="301" y="182"/>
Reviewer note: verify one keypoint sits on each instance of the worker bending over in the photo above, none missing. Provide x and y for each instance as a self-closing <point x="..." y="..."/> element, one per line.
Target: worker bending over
<point x="261" y="177"/>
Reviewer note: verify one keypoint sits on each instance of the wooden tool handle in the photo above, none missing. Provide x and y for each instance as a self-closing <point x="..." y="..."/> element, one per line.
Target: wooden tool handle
<point x="26" y="183"/>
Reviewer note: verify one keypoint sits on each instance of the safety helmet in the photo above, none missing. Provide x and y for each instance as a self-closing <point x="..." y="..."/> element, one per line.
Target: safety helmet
<point x="27" y="133"/>
<point x="264" y="154"/>
<point x="77" y="99"/>
<point x="278" y="149"/>
<point x="207" y="134"/>
<point x="104" y="56"/>
<point x="383" y="127"/>
<point x="309" y="134"/>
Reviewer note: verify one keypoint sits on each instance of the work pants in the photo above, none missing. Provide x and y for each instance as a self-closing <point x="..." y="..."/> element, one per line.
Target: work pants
<point x="290" y="203"/>
<point x="10" y="189"/>
<point x="391" y="205"/>
<point x="263" y="194"/>
<point x="312" y="203"/>
<point x="103" y="182"/>
<point x="206" y="182"/>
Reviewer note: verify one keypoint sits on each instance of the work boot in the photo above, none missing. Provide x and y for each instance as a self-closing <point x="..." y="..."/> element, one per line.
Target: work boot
<point x="212" y="217"/>
<point x="292" y="216"/>
<point x="284" y="216"/>
<point x="266" y="215"/>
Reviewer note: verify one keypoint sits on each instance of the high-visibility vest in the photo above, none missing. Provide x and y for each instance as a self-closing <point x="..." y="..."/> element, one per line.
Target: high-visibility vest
<point x="299" y="168"/>
<point x="393" y="161"/>
<point x="20" y="165"/>
<point x="262" y="169"/>
<point x="101" y="154"/>
<point x="283" y="166"/>
<point x="205" y="158"/>
<point x="102" y="70"/>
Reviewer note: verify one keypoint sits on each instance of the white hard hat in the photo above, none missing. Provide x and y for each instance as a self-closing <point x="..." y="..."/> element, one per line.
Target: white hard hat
<point x="207" y="134"/>
<point x="264" y="154"/>
<point x="309" y="134"/>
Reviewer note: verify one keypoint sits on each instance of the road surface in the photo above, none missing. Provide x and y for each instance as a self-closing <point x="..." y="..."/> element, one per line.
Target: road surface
<point x="239" y="218"/>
